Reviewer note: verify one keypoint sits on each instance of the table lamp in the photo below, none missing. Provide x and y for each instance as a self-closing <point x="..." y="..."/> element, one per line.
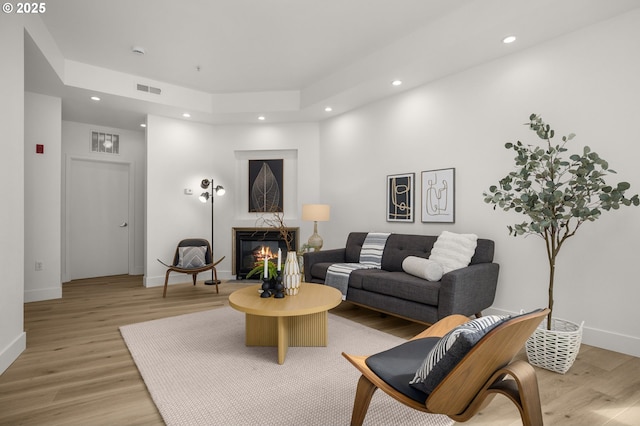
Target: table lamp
<point x="316" y="213"/>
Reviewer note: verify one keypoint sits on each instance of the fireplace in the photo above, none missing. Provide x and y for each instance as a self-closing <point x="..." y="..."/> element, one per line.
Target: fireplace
<point x="249" y="244"/>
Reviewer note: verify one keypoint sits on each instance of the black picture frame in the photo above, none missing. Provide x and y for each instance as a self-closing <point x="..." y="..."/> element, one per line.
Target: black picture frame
<point x="266" y="189"/>
<point x="438" y="196"/>
<point x="400" y="197"/>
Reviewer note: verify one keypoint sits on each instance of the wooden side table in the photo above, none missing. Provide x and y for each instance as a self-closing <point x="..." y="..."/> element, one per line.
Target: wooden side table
<point x="299" y="320"/>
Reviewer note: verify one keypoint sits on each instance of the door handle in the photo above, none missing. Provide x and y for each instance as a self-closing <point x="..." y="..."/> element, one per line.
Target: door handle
<point x="124" y="225"/>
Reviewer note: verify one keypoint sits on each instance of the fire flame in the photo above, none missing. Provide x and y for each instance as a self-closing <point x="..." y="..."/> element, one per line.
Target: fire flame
<point x="264" y="252"/>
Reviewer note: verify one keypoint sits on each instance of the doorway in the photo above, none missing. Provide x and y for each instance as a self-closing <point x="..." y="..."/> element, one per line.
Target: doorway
<point x="98" y="218"/>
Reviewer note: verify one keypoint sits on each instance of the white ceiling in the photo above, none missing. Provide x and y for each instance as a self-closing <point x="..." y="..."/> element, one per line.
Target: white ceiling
<point x="342" y="53"/>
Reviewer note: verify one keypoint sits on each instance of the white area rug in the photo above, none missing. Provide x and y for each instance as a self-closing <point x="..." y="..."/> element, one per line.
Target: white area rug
<point x="199" y="372"/>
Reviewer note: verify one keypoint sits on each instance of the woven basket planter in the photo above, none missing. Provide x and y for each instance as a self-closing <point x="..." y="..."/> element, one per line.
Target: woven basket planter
<point x="555" y="349"/>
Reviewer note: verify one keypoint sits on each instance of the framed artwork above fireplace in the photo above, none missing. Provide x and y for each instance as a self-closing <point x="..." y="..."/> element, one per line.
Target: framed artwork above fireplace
<point x="266" y="186"/>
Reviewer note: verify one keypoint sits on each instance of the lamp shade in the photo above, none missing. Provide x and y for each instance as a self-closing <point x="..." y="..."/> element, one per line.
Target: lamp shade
<point x="316" y="212"/>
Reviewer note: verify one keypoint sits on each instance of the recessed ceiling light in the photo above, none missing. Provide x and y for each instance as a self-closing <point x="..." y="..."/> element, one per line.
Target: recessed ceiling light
<point x="328" y="109"/>
<point x="396" y="82"/>
<point x="186" y="115"/>
<point x="143" y="125"/>
<point x="509" y="39"/>
<point x="95" y="98"/>
<point x="261" y="118"/>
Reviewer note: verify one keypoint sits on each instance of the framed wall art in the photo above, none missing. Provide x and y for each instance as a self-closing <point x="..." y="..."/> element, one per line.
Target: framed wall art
<point x="266" y="186"/>
<point x="400" y="197"/>
<point x="438" y="195"/>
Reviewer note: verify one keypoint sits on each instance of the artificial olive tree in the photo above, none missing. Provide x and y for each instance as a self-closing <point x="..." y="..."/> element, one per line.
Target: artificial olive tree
<point x="557" y="194"/>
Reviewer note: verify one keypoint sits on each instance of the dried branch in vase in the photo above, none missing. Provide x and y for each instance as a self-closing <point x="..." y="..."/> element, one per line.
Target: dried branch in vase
<point x="275" y="220"/>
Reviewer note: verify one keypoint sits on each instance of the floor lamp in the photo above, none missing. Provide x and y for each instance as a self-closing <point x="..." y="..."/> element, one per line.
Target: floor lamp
<point x="204" y="197"/>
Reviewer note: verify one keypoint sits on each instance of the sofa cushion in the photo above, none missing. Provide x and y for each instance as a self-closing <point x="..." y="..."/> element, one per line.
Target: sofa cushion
<point x="402" y="286"/>
<point x="357" y="278"/>
<point x="422" y="268"/>
<point x="484" y="251"/>
<point x="399" y="246"/>
<point x="354" y="246"/>
<point x="454" y="251"/>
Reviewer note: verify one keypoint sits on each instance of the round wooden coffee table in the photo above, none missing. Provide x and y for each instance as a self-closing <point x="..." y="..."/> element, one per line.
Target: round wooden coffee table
<point x="299" y="320"/>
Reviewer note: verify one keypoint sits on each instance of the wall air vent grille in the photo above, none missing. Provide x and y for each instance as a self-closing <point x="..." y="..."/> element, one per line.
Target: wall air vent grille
<point x="105" y="142"/>
<point x="148" y="89"/>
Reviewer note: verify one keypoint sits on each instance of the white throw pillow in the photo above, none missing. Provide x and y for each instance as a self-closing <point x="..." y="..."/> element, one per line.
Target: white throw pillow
<point x="422" y="268"/>
<point x="453" y="251"/>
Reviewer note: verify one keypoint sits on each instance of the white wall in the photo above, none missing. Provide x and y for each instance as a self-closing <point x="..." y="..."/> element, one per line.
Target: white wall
<point x="180" y="154"/>
<point x="76" y="139"/>
<point x="585" y="83"/>
<point x="12" y="335"/>
<point x="42" y="207"/>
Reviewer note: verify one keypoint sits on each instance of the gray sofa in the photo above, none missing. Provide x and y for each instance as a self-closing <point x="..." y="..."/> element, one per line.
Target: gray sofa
<point x="465" y="291"/>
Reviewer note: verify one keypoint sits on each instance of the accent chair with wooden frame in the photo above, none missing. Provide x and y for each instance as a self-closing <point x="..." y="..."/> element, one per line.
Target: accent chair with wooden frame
<point x="471" y="384"/>
<point x="193" y="271"/>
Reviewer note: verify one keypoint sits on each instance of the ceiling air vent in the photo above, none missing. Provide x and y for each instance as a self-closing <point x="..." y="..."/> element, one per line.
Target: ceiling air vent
<point x="148" y="89"/>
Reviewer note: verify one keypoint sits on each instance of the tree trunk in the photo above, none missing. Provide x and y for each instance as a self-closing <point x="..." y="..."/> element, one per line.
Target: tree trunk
<point x="552" y="272"/>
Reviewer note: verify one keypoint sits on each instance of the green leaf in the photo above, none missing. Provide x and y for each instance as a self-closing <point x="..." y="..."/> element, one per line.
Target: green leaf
<point x="553" y="192"/>
<point x="623" y="186"/>
<point x="259" y="269"/>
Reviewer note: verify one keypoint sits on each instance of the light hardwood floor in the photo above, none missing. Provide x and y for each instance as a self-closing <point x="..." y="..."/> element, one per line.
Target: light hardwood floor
<point x="77" y="370"/>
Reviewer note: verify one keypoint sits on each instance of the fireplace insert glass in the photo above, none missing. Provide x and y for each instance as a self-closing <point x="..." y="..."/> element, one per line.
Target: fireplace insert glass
<point x="252" y="245"/>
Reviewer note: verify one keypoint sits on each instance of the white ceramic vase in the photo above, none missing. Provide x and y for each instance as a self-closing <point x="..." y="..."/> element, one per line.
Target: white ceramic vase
<point x="291" y="276"/>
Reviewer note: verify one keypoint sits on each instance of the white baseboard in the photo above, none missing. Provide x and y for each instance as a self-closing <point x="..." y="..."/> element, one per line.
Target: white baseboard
<point x="43" y="294"/>
<point x="12" y="351"/>
<point x="176" y="278"/>
<point x="609" y="340"/>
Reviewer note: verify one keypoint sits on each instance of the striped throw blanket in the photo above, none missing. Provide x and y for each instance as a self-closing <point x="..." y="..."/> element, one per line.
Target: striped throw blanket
<point x="370" y="258"/>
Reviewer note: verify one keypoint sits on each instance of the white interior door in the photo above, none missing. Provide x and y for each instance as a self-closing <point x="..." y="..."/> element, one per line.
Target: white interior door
<point x="98" y="219"/>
